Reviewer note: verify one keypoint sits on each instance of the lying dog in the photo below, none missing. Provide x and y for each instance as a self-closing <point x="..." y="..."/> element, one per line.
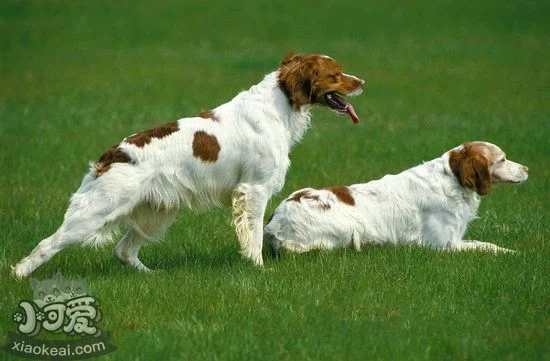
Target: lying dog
<point x="234" y="154"/>
<point x="430" y="205"/>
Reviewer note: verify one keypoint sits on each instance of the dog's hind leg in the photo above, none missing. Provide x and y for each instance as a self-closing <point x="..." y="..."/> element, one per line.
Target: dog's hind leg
<point x="128" y="248"/>
<point x="41" y="254"/>
<point x="92" y="218"/>
<point x="75" y="229"/>
<point x="146" y="224"/>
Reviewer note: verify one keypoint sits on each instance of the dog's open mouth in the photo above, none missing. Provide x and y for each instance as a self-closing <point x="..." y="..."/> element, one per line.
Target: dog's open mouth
<point x="337" y="103"/>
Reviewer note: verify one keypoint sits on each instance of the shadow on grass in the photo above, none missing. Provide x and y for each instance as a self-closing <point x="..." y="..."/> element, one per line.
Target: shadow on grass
<point x="163" y="262"/>
<point x="193" y="257"/>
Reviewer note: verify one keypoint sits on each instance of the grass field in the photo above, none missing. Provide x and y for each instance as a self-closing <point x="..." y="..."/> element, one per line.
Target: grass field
<point x="77" y="77"/>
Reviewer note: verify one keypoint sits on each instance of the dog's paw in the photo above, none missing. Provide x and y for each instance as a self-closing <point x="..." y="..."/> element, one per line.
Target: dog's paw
<point x="18" y="272"/>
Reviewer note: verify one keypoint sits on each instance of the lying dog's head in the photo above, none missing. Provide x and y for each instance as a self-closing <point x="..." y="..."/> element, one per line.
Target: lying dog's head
<point x="478" y="165"/>
<point x="318" y="79"/>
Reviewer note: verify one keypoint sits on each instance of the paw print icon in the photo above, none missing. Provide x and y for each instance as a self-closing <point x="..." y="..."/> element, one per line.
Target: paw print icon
<point x="17" y="317"/>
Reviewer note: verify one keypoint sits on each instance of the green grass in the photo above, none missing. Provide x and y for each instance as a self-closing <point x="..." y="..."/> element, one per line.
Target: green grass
<point x="76" y="77"/>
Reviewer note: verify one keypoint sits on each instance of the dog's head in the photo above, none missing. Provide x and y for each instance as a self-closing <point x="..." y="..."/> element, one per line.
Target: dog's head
<point x="318" y="79"/>
<point x="478" y="165"/>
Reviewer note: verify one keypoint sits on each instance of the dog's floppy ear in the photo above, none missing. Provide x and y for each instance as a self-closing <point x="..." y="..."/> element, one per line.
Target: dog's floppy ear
<point x="472" y="170"/>
<point x="295" y="78"/>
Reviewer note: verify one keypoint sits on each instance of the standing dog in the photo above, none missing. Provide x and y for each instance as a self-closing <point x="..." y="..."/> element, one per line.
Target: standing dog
<point x="430" y="205"/>
<point x="234" y="154"/>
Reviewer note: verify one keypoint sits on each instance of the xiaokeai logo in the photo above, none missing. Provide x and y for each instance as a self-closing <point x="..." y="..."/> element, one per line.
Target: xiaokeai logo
<point x="63" y="307"/>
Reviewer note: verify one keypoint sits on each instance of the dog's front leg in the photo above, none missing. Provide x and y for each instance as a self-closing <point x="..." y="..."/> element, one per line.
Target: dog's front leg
<point x="249" y="204"/>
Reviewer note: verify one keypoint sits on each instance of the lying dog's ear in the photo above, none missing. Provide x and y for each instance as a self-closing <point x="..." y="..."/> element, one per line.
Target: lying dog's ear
<point x="472" y="170"/>
<point x="295" y="78"/>
<point x="477" y="169"/>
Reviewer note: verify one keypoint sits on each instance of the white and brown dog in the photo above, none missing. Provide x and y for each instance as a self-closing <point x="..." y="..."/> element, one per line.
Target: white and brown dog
<point x="234" y="154"/>
<point x="429" y="205"/>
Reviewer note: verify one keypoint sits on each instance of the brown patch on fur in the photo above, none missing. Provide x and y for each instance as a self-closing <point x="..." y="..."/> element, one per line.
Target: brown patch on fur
<point x="471" y="167"/>
<point x="205" y="146"/>
<point x="142" y="138"/>
<point x="116" y="155"/>
<point x="209" y="115"/>
<point x="307" y="78"/>
<point x="343" y="194"/>
<point x="298" y="196"/>
<point x="113" y="155"/>
<point x="305" y="194"/>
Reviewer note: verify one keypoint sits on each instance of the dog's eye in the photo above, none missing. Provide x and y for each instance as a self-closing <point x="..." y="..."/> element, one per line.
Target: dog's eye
<point x="502" y="160"/>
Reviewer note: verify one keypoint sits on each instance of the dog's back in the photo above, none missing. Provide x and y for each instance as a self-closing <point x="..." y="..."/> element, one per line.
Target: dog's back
<point x="388" y="210"/>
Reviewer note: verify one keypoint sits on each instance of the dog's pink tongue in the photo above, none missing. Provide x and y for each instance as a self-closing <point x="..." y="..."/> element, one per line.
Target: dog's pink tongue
<point x="352" y="113"/>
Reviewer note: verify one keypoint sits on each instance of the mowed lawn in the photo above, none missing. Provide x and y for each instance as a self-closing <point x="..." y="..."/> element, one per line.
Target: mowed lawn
<point x="77" y="77"/>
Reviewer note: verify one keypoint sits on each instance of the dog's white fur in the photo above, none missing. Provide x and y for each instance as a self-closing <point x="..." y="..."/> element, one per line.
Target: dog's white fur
<point x="429" y="205"/>
<point x="255" y="132"/>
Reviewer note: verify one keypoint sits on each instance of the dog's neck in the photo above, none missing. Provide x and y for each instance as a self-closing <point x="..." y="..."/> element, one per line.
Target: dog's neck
<point x="446" y="181"/>
<point x="276" y="106"/>
<point x="468" y="195"/>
